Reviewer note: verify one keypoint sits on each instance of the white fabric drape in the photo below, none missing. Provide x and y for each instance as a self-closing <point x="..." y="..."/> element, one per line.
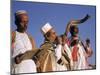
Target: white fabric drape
<point x="21" y="45"/>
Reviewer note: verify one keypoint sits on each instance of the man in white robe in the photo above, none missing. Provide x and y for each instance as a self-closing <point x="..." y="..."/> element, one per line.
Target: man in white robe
<point x="21" y="43"/>
<point x="79" y="51"/>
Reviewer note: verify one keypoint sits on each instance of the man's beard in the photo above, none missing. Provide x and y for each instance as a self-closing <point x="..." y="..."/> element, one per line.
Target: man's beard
<point x="22" y="28"/>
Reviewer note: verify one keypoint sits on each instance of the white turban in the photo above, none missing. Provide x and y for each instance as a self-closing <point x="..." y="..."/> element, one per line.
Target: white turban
<point x="47" y="27"/>
<point x="19" y="12"/>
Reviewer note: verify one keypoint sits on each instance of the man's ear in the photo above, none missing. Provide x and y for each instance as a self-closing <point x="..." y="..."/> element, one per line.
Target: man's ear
<point x="46" y="37"/>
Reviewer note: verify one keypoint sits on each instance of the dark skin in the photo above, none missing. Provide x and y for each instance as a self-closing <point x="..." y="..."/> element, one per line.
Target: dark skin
<point x="64" y="38"/>
<point x="75" y="34"/>
<point x="88" y="51"/>
<point x="52" y="35"/>
<point x="75" y="23"/>
<point x="22" y="23"/>
<point x="72" y="22"/>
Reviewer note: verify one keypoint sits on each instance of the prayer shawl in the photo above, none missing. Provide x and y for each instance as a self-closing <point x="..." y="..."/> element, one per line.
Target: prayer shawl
<point x="46" y="57"/>
<point x="68" y="53"/>
<point x="79" y="60"/>
<point x="65" y="58"/>
<point x="62" y="58"/>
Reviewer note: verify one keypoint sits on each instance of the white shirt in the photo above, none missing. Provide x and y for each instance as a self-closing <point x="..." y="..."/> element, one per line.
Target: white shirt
<point x="21" y="44"/>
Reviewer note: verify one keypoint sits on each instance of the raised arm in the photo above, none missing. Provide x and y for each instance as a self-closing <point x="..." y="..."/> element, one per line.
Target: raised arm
<point x="75" y="22"/>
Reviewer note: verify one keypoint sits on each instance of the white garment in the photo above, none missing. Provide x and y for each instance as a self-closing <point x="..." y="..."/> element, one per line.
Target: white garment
<point x="26" y="66"/>
<point x="81" y="63"/>
<point x="21" y="45"/>
<point x="58" y="54"/>
<point x="82" y="60"/>
<point x="61" y="67"/>
<point x="68" y="51"/>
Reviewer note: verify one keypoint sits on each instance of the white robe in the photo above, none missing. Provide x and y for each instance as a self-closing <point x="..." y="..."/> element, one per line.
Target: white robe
<point x="21" y="45"/>
<point x="81" y="63"/>
<point x="58" y="54"/>
<point x="68" y="51"/>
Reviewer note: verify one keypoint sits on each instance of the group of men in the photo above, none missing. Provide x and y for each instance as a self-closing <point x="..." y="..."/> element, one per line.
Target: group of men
<point x="57" y="53"/>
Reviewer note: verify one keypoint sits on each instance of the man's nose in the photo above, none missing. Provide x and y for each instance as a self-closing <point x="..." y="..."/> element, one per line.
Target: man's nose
<point x="25" y="22"/>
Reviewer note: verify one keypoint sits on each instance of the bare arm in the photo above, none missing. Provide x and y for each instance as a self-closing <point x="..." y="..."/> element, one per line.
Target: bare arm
<point x="75" y="22"/>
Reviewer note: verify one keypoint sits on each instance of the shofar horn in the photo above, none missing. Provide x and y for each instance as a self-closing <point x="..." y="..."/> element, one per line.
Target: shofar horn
<point x="76" y="22"/>
<point x="81" y="20"/>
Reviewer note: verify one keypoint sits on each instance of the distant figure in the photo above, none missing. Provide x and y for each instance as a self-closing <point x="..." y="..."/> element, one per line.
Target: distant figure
<point x="88" y="51"/>
<point x="21" y="43"/>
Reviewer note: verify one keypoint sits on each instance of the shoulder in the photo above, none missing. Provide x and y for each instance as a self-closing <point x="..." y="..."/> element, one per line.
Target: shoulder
<point x="13" y="35"/>
<point x="46" y="45"/>
<point x="30" y="36"/>
<point x="31" y="40"/>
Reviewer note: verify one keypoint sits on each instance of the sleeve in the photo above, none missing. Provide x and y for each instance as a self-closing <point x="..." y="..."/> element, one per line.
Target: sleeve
<point x="69" y="54"/>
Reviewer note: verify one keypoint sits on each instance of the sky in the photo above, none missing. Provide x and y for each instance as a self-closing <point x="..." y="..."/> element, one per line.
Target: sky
<point x="58" y="15"/>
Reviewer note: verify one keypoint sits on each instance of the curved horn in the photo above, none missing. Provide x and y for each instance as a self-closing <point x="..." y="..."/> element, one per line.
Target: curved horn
<point x="83" y="19"/>
<point x="76" y="22"/>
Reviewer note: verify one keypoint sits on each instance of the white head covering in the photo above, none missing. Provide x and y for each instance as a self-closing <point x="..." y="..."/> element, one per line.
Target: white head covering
<point x="46" y="28"/>
<point x="19" y="12"/>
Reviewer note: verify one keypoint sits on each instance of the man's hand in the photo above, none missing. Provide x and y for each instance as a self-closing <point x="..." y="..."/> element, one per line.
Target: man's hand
<point x="87" y="42"/>
<point x="59" y="40"/>
<point x="17" y="59"/>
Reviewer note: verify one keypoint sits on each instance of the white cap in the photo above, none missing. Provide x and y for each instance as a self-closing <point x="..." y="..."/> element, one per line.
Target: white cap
<point x="46" y="28"/>
<point x="20" y="12"/>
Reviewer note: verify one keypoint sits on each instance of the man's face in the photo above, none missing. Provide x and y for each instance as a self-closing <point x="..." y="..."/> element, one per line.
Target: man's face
<point x="23" y="23"/>
<point x="53" y="35"/>
<point x="74" y="31"/>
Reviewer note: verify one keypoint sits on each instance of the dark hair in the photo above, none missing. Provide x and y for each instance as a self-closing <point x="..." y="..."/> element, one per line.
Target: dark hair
<point x="47" y="35"/>
<point x="74" y="42"/>
<point x="17" y="20"/>
<point x="88" y="40"/>
<point x="72" y="30"/>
